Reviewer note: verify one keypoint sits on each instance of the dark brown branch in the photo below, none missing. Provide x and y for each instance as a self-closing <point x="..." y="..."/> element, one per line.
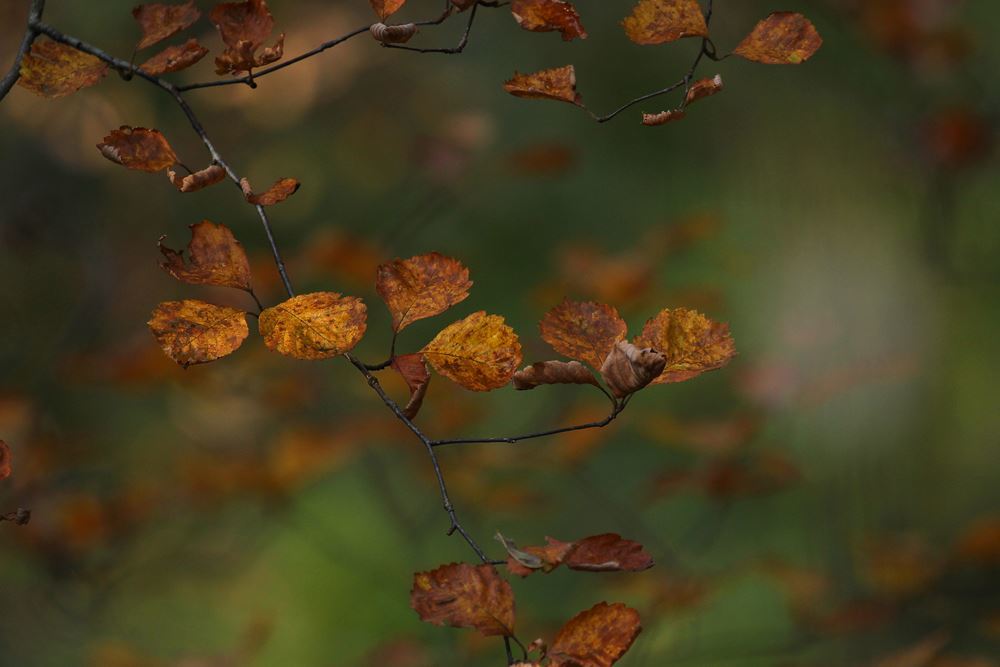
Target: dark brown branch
<point x="11" y="77"/>
<point x="462" y="43"/>
<point x="617" y="410"/>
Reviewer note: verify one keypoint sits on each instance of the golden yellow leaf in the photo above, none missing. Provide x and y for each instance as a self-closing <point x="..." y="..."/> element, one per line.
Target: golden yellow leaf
<point x="465" y="596"/>
<point x="194" y="332"/>
<point x="661" y="21"/>
<point x="480" y="352"/>
<point x="583" y="330"/>
<point x="53" y="69"/>
<point x="215" y="257"/>
<point x="314" y="326"/>
<point x="421" y="286"/>
<point x="691" y="342"/>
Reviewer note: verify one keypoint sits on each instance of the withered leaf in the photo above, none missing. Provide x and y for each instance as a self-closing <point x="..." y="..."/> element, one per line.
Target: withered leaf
<point x="661" y="21"/>
<point x="608" y="553"/>
<point x="583" y="330"/>
<point x="393" y="34"/>
<point x="628" y="368"/>
<point x="547" y="16"/>
<point x="282" y="189"/>
<point x="53" y="69"/>
<point x="691" y="343"/>
<point x="194" y="332"/>
<point x="175" y="58"/>
<point x="159" y="21"/>
<point x="598" y="637"/>
<point x="421" y="287"/>
<point x="314" y="326"/>
<point x="662" y="118"/>
<point x="465" y="596"/>
<point x="523" y="562"/>
<point x="244" y="27"/>
<point x="199" y="180"/>
<point x="783" y="38"/>
<point x="138" y="148"/>
<point x="703" y="88"/>
<point x="413" y="369"/>
<point x="5" y="460"/>
<point x="480" y="353"/>
<point x="553" y="372"/>
<point x="215" y="257"/>
<point x="548" y="84"/>
<point x="386" y="8"/>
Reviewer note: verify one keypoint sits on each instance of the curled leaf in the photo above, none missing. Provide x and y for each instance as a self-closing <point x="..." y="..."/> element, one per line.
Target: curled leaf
<point x="553" y="372"/>
<point x="421" y="287"/>
<point x="480" y="352"/>
<point x="661" y="21"/>
<point x="583" y="330"/>
<point x="138" y="148"/>
<point x="282" y="189"/>
<point x="465" y="596"/>
<point x="548" y="84"/>
<point x="662" y="118"/>
<point x="703" y="88"/>
<point x="175" y="58"/>
<point x="691" y="343"/>
<point x="627" y="369"/>
<point x="53" y="69"/>
<point x="244" y="27"/>
<point x="199" y="180"/>
<point x="314" y="326"/>
<point x="194" y="332"/>
<point x="523" y="562"/>
<point x="159" y="21"/>
<point x="5" y="460"/>
<point x="393" y="34"/>
<point x="598" y="637"/>
<point x="215" y="257"/>
<point x="386" y="8"/>
<point x="783" y="38"/>
<point x="413" y="369"/>
<point x="547" y="16"/>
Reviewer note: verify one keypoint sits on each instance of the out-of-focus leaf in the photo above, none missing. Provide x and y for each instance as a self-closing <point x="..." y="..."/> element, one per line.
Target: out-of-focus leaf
<point x="480" y="353"/>
<point x="282" y="189"/>
<point x="465" y="596"/>
<point x="583" y="330"/>
<point x="175" y="58"/>
<point x="598" y="637"/>
<point x="703" y="88"/>
<point x="662" y="118"/>
<point x="783" y="38"/>
<point x="413" y="369"/>
<point x="553" y="372"/>
<point x="548" y="84"/>
<point x="691" y="343"/>
<point x="628" y="368"/>
<point x="244" y="27"/>
<point x="53" y="69"/>
<point x="548" y="16"/>
<point x="159" y="21"/>
<point x="980" y="542"/>
<point x="421" y="287"/>
<point x="920" y="654"/>
<point x="5" y="460"/>
<point x="138" y="148"/>
<point x="199" y="180"/>
<point x="194" y="332"/>
<point x="661" y="21"/>
<point x="386" y="8"/>
<point x="215" y="257"/>
<point x="314" y="326"/>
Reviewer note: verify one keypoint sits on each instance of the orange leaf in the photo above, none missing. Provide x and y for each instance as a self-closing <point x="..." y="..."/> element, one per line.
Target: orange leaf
<point x="548" y="84"/>
<point x="553" y="372"/>
<point x="5" y="460"/>
<point x="314" y="326"/>
<point x="161" y="21"/>
<point x="215" y="257"/>
<point x="598" y="637"/>
<point x="194" y="332"/>
<point x="413" y="369"/>
<point x="53" y="69"/>
<point x="703" y="88"/>
<point x="199" y="180"/>
<point x="663" y="117"/>
<point x="628" y="368"/>
<point x="547" y="16"/>
<point x="783" y="38"/>
<point x="282" y="189"/>
<point x="661" y="21"/>
<point x="421" y="287"/>
<point x="583" y="330"/>
<point x="692" y="343"/>
<point x="138" y="148"/>
<point x="480" y="353"/>
<point x="175" y="58"/>
<point x="386" y="8"/>
<point x="465" y="596"/>
<point x="244" y="27"/>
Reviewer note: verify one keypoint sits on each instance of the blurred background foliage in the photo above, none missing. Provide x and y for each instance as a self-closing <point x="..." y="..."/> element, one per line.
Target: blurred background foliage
<point x="830" y="498"/>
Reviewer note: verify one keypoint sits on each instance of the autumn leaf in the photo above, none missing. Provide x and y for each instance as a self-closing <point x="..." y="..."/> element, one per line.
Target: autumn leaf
<point x="413" y="369"/>
<point x="244" y="27"/>
<point x="5" y="460"/>
<point x="215" y="257"/>
<point x="465" y="596"/>
<point x="282" y="189"/>
<point x="523" y="562"/>
<point x="783" y="38"/>
<point x="314" y="326"/>
<point x="386" y="8"/>
<point x="547" y="84"/>
<point x="53" y="69"/>
<point x="553" y="372"/>
<point x="194" y="332"/>
<point x="661" y="21"/>
<point x="598" y="637"/>
<point x="421" y="287"/>
<point x="628" y="368"/>
<point x="691" y="343"/>
<point x="480" y="352"/>
<point x="583" y="330"/>
<point x="703" y="88"/>
<point x="175" y="58"/>
<point x="608" y="552"/>
<point x="199" y="180"/>
<point x="662" y="118"/>
<point x="547" y="16"/>
<point x="138" y="148"/>
<point x="393" y="34"/>
<point x="159" y="22"/>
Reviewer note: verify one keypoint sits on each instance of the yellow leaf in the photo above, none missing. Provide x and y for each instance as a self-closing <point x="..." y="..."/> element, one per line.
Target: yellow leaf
<point x="480" y="352"/>
<point x="314" y="326"/>
<point x="421" y="286"/>
<point x="194" y="332"/>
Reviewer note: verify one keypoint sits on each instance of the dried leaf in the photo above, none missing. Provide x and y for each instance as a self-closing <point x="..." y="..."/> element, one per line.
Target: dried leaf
<point x="421" y="287"/>
<point x="175" y="58"/>
<point x="583" y="330"/>
<point x="53" y="69"/>
<point x="244" y="27"/>
<point x="138" y="148"/>
<point x="199" y="180"/>
<point x="159" y="22"/>
<point x="194" y="332"/>
<point x="480" y="352"/>
<point x="703" y="88"/>
<point x="553" y="372"/>
<point x="692" y="343"/>
<point x="661" y="21"/>
<point x="282" y="189"/>
<point x="783" y="38"/>
<point x="662" y="118"/>
<point x="393" y="34"/>
<point x="413" y="369"/>
<point x="314" y="326"/>
<point x="628" y="368"/>
<point x="215" y="257"/>
<point x="547" y="84"/>
<point x="386" y="8"/>
<point x="547" y="16"/>
<point x="608" y="553"/>
<point x="523" y="562"/>
<point x="5" y="460"/>
<point x="598" y="637"/>
<point x="465" y="596"/>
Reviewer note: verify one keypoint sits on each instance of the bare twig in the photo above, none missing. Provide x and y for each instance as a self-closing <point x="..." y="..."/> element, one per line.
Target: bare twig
<point x="617" y="410"/>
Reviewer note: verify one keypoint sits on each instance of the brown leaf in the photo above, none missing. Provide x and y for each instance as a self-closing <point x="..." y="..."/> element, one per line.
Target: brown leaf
<point x="547" y="16"/>
<point x="783" y="38"/>
<point x="465" y="596"/>
<point x="661" y="21"/>
<point x="662" y="118"/>
<point x="282" y="189"/>
<point x="175" y="58"/>
<point x="598" y="637"/>
<point x="194" y="332"/>
<point x="314" y="326"/>
<point x="138" y="148"/>
<point x="159" y="22"/>
<point x="413" y="369"/>
<point x="199" y="180"/>
<point x="480" y="353"/>
<point x="692" y="343"/>
<point x="386" y="8"/>
<point x="547" y="84"/>
<point x="608" y="553"/>
<point x="628" y="368"/>
<point x="523" y="562"/>
<point x="583" y="330"/>
<point x="215" y="257"/>
<point x="244" y="27"/>
<point x="5" y="460"/>
<point x="553" y="372"/>
<point x="703" y="88"/>
<point x="393" y="34"/>
<point x="53" y="69"/>
<point x="421" y="287"/>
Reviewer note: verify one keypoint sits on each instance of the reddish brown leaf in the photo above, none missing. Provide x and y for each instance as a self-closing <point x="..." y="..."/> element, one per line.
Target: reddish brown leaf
<point x="480" y="352"/>
<point x="548" y="16"/>
<point x="608" y="553"/>
<point x="703" y="88"/>
<point x="53" y="69"/>
<point x="783" y="38"/>
<point x="175" y="58"/>
<point x="194" y="332"/>
<point x="199" y="180"/>
<point x="413" y="369"/>
<point x="138" y="148"/>
<point x="314" y="326"/>
<point x="628" y="368"/>
<point x="692" y="343"/>
<point x="661" y="21"/>
<point x="421" y="287"/>
<point x="598" y="637"/>
<point x="393" y="34"/>
<point x="583" y="330"/>
<point x="465" y="596"/>
<point x="244" y="27"/>
<point x="159" y="22"/>
<point x="662" y="118"/>
<point x="5" y="460"/>
<point x="548" y="84"/>
<point x="553" y="372"/>
<point x="215" y="257"/>
<point x="282" y="189"/>
<point x="386" y="8"/>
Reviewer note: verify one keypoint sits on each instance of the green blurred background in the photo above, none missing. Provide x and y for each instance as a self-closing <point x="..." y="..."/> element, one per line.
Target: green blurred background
<point x="830" y="498"/>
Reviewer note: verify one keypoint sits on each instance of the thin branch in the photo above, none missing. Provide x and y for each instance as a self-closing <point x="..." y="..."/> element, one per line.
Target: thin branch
<point x="449" y="50"/>
<point x="11" y="77"/>
<point x="619" y="407"/>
